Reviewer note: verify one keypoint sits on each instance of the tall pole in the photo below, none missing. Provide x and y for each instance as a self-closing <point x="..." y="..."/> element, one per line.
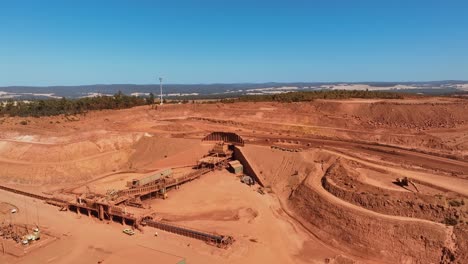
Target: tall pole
<point x="160" y="88"/>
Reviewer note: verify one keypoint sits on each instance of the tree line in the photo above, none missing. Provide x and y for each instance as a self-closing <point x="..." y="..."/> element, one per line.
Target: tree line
<point x="52" y="107"/>
<point x="313" y="95"/>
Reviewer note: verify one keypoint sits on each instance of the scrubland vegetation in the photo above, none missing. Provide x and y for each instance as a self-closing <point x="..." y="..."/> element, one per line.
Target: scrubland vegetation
<point x="51" y="107"/>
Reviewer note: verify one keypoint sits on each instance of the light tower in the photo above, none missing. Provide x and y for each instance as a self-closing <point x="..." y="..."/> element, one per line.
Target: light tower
<point x="160" y="88"/>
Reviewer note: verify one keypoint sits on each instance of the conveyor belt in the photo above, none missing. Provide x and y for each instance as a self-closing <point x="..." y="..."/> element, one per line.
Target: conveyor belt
<point x="124" y="195"/>
<point x="36" y="196"/>
<point x="219" y="240"/>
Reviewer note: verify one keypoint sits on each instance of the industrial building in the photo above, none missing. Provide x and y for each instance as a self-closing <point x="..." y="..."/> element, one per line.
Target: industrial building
<point x="236" y="167"/>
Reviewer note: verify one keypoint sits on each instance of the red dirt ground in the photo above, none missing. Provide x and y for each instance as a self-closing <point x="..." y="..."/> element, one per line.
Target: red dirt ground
<point x="334" y="202"/>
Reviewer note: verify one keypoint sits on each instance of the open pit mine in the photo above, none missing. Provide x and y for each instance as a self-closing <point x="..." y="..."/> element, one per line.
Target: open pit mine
<point x="327" y="181"/>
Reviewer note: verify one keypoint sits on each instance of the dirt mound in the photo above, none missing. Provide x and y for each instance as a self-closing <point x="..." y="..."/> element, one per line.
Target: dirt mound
<point x="419" y="116"/>
<point x="66" y="152"/>
<point x="408" y="123"/>
<point x="54" y="173"/>
<point x="406" y="114"/>
<point x="102" y="153"/>
<point x="156" y="151"/>
<point x="34" y="163"/>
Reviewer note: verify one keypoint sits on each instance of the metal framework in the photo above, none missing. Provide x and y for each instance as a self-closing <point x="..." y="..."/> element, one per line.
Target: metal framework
<point x="156" y="186"/>
<point x="213" y="239"/>
<point x="227" y="137"/>
<point x="107" y="211"/>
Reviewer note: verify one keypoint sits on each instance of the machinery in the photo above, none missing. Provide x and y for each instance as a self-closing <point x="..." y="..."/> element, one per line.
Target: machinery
<point x="36" y="235"/>
<point x="220" y="150"/>
<point x="128" y="231"/>
<point x="150" y="179"/>
<point x="247" y="180"/>
<point x="20" y="234"/>
<point x="404" y="182"/>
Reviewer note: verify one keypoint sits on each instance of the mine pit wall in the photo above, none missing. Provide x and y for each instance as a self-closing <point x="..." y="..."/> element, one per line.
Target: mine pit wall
<point x="392" y="202"/>
<point x="385" y="240"/>
<point x="409" y="205"/>
<point x="238" y="155"/>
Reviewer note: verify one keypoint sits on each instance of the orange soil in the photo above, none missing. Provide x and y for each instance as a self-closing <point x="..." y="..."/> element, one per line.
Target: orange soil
<point x="299" y="220"/>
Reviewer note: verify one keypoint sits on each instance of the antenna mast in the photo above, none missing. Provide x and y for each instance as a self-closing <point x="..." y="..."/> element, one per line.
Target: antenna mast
<point x="160" y="88"/>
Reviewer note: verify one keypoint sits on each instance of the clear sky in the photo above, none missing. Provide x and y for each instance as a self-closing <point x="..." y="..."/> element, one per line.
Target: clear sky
<point x="102" y="42"/>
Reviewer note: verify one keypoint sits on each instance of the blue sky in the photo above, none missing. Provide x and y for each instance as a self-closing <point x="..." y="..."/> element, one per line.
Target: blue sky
<point x="102" y="42"/>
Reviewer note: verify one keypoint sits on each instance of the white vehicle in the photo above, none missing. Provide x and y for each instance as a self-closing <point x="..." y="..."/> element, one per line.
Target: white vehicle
<point x="14" y="211"/>
<point x="128" y="231"/>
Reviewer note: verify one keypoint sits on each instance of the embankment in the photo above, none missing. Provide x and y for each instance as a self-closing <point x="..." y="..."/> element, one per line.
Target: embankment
<point x="357" y="232"/>
<point x="238" y="155"/>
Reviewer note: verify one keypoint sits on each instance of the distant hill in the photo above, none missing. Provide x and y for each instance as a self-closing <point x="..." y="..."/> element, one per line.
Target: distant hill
<point x="226" y="90"/>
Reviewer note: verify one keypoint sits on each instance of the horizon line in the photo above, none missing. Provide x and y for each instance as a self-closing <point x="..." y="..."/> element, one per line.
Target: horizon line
<point x="233" y="83"/>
